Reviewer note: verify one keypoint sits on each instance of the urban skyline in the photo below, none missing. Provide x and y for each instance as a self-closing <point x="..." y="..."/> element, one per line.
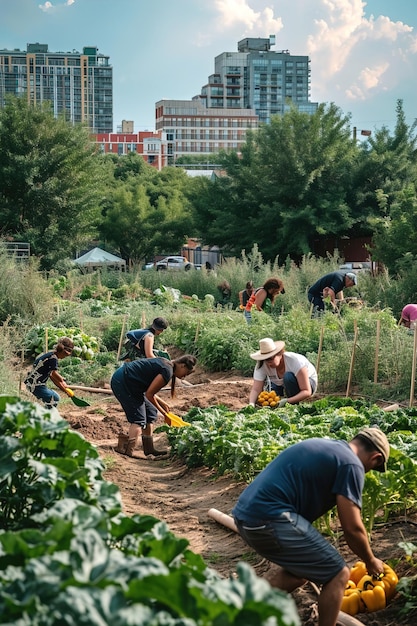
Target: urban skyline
<point x="363" y="55"/>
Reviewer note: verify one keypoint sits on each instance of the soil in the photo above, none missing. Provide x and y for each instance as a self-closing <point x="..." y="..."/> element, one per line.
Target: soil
<point x="182" y="497"/>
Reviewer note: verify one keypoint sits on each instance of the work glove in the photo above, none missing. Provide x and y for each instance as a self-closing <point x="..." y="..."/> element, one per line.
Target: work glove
<point x="282" y="403"/>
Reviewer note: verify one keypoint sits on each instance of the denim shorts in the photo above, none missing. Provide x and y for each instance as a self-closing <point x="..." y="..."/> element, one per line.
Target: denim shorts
<point x="138" y="409"/>
<point x="294" y="544"/>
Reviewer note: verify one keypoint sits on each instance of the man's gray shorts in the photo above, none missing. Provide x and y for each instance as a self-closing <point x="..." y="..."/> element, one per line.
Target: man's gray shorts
<point x="294" y="544"/>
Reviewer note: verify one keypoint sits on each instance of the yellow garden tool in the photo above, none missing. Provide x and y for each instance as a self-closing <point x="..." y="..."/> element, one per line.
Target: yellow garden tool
<point x="177" y="421"/>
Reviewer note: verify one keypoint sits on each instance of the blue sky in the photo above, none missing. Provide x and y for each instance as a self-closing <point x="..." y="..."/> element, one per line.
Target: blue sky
<point x="363" y="54"/>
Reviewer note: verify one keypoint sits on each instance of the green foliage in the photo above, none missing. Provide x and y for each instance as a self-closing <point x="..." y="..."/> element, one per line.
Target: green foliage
<point x="50" y="180"/>
<point x="289" y="197"/>
<point x="43" y="338"/>
<point x="45" y="463"/>
<point x="66" y="543"/>
<point x="25" y="296"/>
<point x="243" y="443"/>
<point x="395" y="239"/>
<point x="146" y="212"/>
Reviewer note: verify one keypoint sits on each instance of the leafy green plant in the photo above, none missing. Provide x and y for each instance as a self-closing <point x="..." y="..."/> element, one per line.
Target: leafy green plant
<point x="85" y="346"/>
<point x="243" y="443"/>
<point x="68" y="555"/>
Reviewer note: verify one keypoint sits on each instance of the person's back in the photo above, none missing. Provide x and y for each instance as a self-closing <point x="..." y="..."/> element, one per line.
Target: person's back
<point x="409" y="315"/>
<point x="304" y="479"/>
<point x="334" y="280"/>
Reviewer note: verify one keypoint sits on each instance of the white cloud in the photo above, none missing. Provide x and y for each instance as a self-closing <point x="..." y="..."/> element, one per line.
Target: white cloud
<point x="352" y="56"/>
<point x="234" y="13"/>
<point x="48" y="6"/>
<point x="368" y="80"/>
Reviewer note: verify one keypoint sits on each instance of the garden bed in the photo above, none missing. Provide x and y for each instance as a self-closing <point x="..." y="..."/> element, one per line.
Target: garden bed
<point x="182" y="496"/>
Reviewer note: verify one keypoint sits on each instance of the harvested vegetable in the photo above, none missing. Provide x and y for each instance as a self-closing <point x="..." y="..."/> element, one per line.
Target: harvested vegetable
<point x="366" y="593"/>
<point x="268" y="398"/>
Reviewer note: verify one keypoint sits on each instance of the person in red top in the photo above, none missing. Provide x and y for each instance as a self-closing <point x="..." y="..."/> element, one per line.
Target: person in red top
<point x="263" y="297"/>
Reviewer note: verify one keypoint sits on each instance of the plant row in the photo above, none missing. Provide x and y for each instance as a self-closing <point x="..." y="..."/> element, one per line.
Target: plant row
<point x="68" y="555"/>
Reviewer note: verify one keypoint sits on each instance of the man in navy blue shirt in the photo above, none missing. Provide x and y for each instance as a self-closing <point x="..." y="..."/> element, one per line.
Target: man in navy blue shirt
<point x="330" y="285"/>
<point x="275" y="513"/>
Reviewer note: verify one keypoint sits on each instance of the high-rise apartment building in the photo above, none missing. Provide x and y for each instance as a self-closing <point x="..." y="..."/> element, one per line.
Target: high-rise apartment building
<point x="193" y="129"/>
<point x="258" y="78"/>
<point x="248" y="87"/>
<point x="79" y="85"/>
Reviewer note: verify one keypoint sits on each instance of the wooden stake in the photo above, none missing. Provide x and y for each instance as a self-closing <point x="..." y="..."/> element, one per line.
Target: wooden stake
<point x="197" y="330"/>
<point x="413" y="369"/>
<point x="122" y="334"/>
<point x="22" y="360"/>
<point x="320" y="348"/>
<point x="352" y="359"/>
<point x="46" y="340"/>
<point x="378" y="331"/>
<point x="143" y="319"/>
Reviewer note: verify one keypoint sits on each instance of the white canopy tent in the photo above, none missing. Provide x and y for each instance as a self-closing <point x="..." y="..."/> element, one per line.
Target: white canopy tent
<point x="98" y="258"/>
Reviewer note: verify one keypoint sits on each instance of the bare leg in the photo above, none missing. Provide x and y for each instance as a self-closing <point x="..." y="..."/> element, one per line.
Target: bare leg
<point x="330" y="598"/>
<point x="280" y="578"/>
<point x="133" y="431"/>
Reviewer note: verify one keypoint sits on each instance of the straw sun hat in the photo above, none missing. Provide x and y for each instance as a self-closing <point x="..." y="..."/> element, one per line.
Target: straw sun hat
<point x="267" y="348"/>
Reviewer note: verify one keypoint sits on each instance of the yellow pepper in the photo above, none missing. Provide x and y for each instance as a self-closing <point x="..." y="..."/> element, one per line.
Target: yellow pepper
<point x="365" y="579"/>
<point x="373" y="597"/>
<point x="388" y="581"/>
<point x="350" y="585"/>
<point x="351" y="602"/>
<point x="357" y="571"/>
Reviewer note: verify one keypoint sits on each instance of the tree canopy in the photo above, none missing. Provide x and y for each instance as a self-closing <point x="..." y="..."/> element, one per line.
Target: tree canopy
<point x="146" y="212"/>
<point x="50" y="181"/>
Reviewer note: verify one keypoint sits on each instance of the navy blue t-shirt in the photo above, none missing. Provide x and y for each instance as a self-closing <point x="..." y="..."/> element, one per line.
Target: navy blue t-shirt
<point x="334" y="280"/>
<point x="140" y="374"/>
<point x="304" y="478"/>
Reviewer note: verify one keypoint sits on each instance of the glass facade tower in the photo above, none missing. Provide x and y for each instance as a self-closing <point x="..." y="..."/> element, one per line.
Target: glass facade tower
<point x="78" y="85"/>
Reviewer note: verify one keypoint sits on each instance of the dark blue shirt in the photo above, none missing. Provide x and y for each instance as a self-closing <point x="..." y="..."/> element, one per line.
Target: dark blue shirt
<point x="140" y="374"/>
<point x="334" y="280"/>
<point x="304" y="478"/>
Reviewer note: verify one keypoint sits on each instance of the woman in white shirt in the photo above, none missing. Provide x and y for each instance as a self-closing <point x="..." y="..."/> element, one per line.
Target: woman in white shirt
<point x="287" y="372"/>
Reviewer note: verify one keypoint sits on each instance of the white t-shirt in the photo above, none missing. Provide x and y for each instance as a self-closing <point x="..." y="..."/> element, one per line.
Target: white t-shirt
<point x="293" y="363"/>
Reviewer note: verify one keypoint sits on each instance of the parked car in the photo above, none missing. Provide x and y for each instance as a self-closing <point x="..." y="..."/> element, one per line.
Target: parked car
<point x="148" y="266"/>
<point x="174" y="263"/>
<point x="356" y="267"/>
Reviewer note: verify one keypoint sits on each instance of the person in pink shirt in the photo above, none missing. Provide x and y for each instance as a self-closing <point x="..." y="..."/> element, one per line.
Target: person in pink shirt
<point x="408" y="315"/>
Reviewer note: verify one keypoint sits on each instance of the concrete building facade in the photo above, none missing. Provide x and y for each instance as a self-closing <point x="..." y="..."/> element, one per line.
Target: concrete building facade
<point x="261" y="79"/>
<point x="193" y="129"/>
<point x="78" y="85"/>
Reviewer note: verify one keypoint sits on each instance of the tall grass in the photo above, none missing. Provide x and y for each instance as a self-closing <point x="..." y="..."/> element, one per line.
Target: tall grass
<point x="107" y="304"/>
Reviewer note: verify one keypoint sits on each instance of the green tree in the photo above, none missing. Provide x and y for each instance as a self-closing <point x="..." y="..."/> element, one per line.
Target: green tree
<point x="50" y="181"/>
<point x="146" y="213"/>
<point x="287" y="188"/>
<point x="395" y="237"/>
<point x="387" y="163"/>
